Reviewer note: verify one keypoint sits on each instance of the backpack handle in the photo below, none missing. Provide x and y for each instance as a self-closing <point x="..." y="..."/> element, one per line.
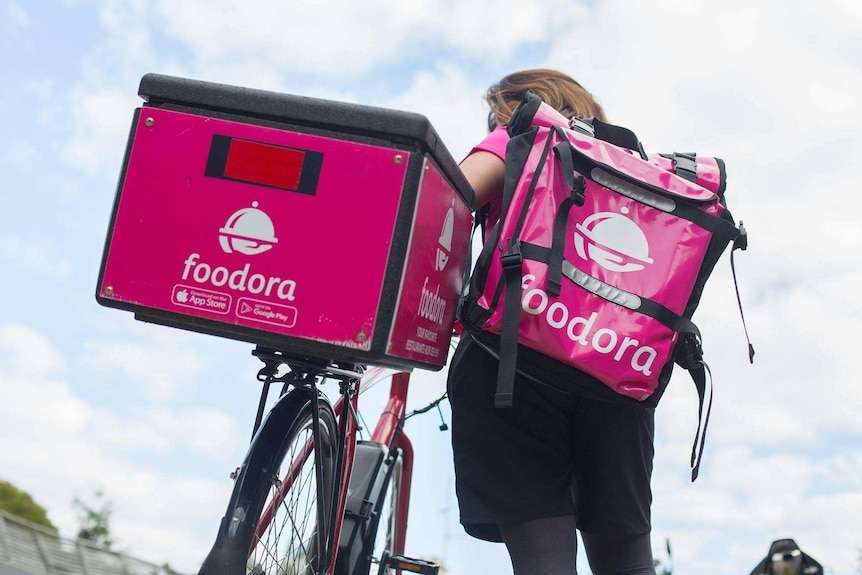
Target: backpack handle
<point x="616" y="135"/>
<point x="525" y="116"/>
<point x="522" y="119"/>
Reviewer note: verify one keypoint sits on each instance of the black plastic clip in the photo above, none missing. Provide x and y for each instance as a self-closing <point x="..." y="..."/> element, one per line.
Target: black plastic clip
<point x="579" y="195"/>
<point x="512" y="258"/>
<point x="690" y="353"/>
<point x="685" y="166"/>
<point x="741" y="240"/>
<point x="642" y="152"/>
<point x="582" y="126"/>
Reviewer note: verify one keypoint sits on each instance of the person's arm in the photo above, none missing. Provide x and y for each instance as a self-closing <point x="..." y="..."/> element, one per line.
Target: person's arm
<point x="485" y="173"/>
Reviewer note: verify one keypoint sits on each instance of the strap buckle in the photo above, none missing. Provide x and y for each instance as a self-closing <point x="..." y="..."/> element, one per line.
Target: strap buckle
<point x="685" y="166"/>
<point x="582" y="126"/>
<point x="740" y="242"/>
<point x="512" y="258"/>
<point x="579" y="191"/>
<point x="690" y="353"/>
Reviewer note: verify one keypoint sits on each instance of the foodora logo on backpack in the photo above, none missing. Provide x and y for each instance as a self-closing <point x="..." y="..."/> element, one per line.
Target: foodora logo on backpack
<point x="582" y="329"/>
<point x="613" y="241"/>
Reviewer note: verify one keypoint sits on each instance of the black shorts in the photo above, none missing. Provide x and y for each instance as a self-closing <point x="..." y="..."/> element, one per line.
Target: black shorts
<point x="551" y="454"/>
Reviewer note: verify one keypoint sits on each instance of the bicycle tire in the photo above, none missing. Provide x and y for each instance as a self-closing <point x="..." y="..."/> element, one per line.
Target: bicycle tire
<point x="289" y="543"/>
<point x="383" y="542"/>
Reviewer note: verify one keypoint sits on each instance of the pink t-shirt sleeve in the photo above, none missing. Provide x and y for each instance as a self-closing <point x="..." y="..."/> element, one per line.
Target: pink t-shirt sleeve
<point x="494" y="143"/>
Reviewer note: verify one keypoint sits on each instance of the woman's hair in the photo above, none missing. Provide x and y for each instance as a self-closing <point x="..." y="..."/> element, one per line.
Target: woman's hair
<point x="556" y="89"/>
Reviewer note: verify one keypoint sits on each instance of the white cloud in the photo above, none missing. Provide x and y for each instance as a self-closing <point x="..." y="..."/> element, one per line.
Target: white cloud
<point x="746" y="499"/>
<point x="161" y="362"/>
<point x="740" y="29"/>
<point x="681" y="75"/>
<point x="346" y="40"/>
<point x="447" y="96"/>
<point x="495" y="31"/>
<point x="23" y="155"/>
<point x="37" y="256"/>
<point x="101" y="120"/>
<point x="204" y="431"/>
<point x="207" y="432"/>
<point x="65" y="447"/>
<point x="24" y="350"/>
<point x="17" y="21"/>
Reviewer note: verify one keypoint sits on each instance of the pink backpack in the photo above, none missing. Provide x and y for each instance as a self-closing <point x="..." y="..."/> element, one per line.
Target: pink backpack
<point x="608" y="251"/>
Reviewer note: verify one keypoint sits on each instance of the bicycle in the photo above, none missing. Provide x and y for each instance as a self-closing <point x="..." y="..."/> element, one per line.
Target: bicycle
<point x="310" y="497"/>
<point x="229" y="181"/>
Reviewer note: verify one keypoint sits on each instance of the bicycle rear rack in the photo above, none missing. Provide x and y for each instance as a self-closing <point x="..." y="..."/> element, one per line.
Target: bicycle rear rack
<point x="302" y="371"/>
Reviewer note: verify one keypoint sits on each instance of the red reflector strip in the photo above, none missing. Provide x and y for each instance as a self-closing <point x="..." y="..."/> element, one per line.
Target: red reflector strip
<point x="264" y="164"/>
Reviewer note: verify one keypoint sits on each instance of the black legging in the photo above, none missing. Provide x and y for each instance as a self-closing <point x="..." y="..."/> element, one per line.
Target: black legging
<point x="550" y="547"/>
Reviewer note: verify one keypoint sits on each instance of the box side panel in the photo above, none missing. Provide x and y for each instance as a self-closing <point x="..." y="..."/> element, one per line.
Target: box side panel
<point x="433" y="274"/>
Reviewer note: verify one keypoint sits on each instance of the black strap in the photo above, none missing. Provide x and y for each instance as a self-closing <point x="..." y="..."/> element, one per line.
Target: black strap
<point x="722" y="177"/>
<point x="689" y="355"/>
<point x="741" y="243"/>
<point x="481" y="220"/>
<point x="553" y="281"/>
<point x="511" y="264"/>
<point x="618" y="136"/>
<point x="563" y="151"/>
<point x="512" y="272"/>
<point x="522" y="118"/>
<point x="517" y="153"/>
<point x="509" y="191"/>
<point x="576" y="186"/>
<point x="701" y="376"/>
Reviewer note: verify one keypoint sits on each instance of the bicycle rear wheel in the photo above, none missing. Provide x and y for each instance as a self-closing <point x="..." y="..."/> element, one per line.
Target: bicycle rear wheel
<point x="288" y="538"/>
<point x="384" y="534"/>
<point x="277" y="520"/>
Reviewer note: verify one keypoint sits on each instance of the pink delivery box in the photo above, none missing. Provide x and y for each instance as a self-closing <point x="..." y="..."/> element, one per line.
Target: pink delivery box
<point x="321" y="229"/>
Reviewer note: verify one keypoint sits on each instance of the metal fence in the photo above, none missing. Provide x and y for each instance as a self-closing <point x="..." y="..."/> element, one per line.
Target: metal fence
<point x="33" y="549"/>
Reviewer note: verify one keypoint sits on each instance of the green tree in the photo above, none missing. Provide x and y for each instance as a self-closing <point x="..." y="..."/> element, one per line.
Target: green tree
<point x="95" y="521"/>
<point x="20" y="504"/>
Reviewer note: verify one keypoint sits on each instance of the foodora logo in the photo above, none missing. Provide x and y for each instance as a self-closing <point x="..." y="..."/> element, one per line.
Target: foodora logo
<point x="240" y="279"/>
<point x="582" y="330"/>
<point x="613" y="241"/>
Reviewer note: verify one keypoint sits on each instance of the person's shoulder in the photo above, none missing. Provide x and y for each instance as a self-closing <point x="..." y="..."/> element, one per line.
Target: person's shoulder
<point x="495" y="143"/>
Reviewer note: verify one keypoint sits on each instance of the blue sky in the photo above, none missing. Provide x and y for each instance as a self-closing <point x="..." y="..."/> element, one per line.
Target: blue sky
<point x="157" y="418"/>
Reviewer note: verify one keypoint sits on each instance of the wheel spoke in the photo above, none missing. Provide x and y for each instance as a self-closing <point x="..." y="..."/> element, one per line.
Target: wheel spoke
<point x="387" y="521"/>
<point x="298" y="533"/>
<point x="287" y="543"/>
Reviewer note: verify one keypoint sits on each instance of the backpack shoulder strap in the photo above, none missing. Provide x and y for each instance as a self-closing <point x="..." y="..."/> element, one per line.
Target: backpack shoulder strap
<point x="522" y="119"/>
<point x="690" y="357"/>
